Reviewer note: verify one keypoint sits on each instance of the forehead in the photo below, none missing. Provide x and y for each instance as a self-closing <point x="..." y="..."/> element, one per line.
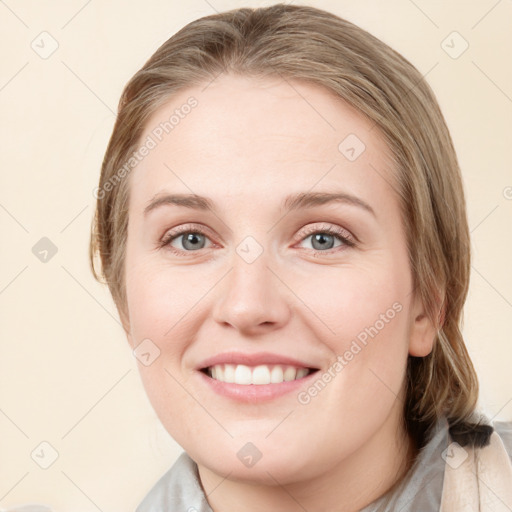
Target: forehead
<point x="253" y="136"/>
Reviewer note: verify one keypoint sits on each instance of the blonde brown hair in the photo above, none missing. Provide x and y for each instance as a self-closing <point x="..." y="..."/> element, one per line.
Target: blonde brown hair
<point x="305" y="43"/>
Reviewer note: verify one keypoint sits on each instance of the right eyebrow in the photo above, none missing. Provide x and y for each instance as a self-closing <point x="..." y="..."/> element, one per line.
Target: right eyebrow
<point x="187" y="200"/>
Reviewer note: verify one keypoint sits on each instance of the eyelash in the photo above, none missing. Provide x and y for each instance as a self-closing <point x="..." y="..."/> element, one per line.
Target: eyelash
<point x="341" y="234"/>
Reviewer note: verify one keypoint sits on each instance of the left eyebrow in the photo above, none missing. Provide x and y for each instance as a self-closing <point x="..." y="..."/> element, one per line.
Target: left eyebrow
<point x="186" y="200"/>
<point x="311" y="199"/>
<point x="293" y="202"/>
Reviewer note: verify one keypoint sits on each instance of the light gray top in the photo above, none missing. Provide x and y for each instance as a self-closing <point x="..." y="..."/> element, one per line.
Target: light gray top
<point x="179" y="490"/>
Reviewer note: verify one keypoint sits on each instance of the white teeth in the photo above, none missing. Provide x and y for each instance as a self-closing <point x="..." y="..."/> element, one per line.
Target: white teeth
<point x="229" y="373"/>
<point x="258" y="375"/>
<point x="276" y="375"/>
<point x="261" y="375"/>
<point x="290" y="373"/>
<point x="243" y="375"/>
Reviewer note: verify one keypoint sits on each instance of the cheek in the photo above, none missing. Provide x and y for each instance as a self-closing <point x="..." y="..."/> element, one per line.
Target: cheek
<point x="347" y="300"/>
<point x="364" y="314"/>
<point x="370" y="351"/>
<point x="161" y="309"/>
<point x="160" y="299"/>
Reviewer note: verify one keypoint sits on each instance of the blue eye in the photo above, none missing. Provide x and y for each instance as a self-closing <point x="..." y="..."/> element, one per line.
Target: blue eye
<point x="193" y="241"/>
<point x="323" y="239"/>
<point x="190" y="240"/>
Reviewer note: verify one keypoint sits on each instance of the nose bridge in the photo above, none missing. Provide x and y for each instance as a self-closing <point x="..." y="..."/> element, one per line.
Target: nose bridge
<point x="251" y="297"/>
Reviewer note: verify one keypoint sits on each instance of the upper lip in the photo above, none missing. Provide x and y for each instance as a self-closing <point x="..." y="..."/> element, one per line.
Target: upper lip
<point x="259" y="358"/>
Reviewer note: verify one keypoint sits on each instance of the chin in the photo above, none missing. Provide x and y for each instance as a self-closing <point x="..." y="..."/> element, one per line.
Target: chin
<point x="269" y="466"/>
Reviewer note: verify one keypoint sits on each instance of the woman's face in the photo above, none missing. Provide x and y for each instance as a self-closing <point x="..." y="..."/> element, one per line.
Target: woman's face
<point x="248" y="278"/>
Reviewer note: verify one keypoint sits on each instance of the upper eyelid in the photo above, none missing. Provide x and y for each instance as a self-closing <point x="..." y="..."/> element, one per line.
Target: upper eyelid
<point x="327" y="228"/>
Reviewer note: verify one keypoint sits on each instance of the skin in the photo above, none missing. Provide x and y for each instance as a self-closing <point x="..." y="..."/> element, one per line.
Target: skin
<point x="246" y="146"/>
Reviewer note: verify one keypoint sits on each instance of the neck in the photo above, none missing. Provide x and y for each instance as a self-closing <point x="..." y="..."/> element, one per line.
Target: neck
<point x="354" y="483"/>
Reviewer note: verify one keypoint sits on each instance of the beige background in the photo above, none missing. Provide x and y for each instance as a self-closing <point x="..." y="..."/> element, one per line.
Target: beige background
<point x="67" y="376"/>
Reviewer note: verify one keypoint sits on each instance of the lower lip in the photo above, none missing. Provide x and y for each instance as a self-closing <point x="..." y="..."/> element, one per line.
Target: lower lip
<point x="254" y="393"/>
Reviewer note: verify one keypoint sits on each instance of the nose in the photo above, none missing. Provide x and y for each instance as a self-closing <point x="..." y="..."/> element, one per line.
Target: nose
<point x="252" y="299"/>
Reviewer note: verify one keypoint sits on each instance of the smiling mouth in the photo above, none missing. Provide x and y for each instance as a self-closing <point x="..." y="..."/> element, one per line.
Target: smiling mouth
<point x="257" y="375"/>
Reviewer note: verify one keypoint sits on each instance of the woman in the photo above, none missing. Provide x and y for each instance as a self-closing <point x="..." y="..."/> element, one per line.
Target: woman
<point x="282" y="225"/>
